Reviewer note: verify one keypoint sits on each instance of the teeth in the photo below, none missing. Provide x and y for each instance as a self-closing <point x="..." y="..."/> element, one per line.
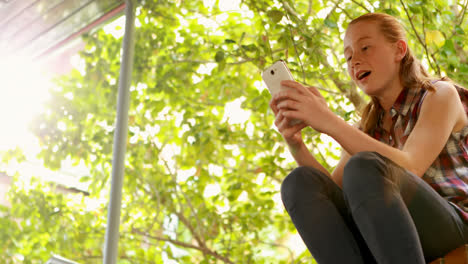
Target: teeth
<point x="361" y="74"/>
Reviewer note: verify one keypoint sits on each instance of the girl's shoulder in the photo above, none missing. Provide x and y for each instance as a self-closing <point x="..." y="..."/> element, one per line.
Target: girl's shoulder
<point x="446" y="83"/>
<point x="443" y="84"/>
<point x="442" y="97"/>
<point x="445" y="89"/>
<point x="448" y="86"/>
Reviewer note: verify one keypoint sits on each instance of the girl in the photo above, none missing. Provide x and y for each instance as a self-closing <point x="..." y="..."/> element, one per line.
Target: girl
<point x="400" y="191"/>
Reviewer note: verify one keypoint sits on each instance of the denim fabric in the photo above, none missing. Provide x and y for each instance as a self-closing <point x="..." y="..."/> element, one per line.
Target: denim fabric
<point x="383" y="214"/>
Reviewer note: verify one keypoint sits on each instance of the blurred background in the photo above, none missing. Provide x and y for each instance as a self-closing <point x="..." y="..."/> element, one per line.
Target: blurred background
<point x="204" y="161"/>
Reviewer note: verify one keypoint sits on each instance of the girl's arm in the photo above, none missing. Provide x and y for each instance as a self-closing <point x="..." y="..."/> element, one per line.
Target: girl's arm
<point x="440" y="112"/>
<point x="304" y="157"/>
<point x="438" y="116"/>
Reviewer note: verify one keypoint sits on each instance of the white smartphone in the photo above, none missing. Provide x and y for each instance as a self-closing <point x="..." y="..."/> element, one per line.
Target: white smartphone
<point x="273" y="75"/>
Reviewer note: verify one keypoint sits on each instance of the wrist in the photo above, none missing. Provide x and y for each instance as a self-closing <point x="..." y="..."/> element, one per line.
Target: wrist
<point x="335" y="125"/>
<point x="294" y="149"/>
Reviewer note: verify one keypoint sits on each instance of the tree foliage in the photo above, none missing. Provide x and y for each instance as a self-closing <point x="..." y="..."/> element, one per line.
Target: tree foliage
<point x="201" y="183"/>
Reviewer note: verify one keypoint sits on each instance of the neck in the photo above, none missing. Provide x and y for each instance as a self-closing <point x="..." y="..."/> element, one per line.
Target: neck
<point x="389" y="94"/>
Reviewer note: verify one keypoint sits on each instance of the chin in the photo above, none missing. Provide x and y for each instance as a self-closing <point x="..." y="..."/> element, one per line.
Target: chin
<point x="369" y="89"/>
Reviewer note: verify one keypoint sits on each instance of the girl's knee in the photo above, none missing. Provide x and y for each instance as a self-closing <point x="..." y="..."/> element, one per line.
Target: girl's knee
<point x="301" y="181"/>
<point x="362" y="171"/>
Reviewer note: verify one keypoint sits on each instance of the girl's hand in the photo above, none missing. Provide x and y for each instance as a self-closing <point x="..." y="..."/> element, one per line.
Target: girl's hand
<point x="291" y="133"/>
<point x="306" y="104"/>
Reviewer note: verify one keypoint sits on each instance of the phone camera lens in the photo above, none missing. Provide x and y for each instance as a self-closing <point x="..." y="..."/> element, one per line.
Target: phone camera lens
<point x="272" y="72"/>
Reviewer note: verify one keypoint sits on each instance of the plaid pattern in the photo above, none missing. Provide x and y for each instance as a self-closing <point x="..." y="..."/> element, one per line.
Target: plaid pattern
<point x="448" y="174"/>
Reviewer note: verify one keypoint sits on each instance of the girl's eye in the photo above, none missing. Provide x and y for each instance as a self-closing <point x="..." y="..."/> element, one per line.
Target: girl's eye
<point x="349" y="58"/>
<point x="365" y="48"/>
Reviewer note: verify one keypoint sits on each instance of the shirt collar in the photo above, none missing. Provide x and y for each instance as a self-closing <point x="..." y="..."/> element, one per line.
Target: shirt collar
<point x="402" y="105"/>
<point x="404" y="102"/>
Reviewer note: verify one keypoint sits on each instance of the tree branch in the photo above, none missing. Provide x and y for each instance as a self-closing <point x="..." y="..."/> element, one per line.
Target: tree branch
<point x="295" y="48"/>
<point x="288" y="8"/>
<point x="291" y="11"/>
<point x="323" y="89"/>
<point x="208" y="61"/>
<point x="427" y="53"/>
<point x="185" y="221"/>
<point x="291" y="253"/>
<point x="345" y="12"/>
<point x="419" y="38"/>
<point x="267" y="40"/>
<point x="412" y="25"/>
<point x="454" y="31"/>
<point x="204" y="250"/>
<point x="463" y="13"/>
<point x="189" y="203"/>
<point x="362" y="6"/>
<point x="133" y="259"/>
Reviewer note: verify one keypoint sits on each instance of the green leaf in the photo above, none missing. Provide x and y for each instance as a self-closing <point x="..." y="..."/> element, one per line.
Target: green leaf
<point x="330" y="23"/>
<point x="415" y="8"/>
<point x="390" y="12"/>
<point x="250" y="47"/>
<point x="219" y="56"/>
<point x="275" y="16"/>
<point x="85" y="179"/>
<point x="435" y="37"/>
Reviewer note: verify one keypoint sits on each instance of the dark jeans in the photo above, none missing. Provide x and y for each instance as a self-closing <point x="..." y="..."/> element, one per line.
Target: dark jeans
<point x="383" y="214"/>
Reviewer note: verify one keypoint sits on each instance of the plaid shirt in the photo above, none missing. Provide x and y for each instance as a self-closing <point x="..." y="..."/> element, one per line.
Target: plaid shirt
<point x="448" y="174"/>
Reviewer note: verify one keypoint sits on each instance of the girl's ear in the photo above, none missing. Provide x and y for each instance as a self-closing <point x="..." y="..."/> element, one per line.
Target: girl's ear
<point x="401" y="50"/>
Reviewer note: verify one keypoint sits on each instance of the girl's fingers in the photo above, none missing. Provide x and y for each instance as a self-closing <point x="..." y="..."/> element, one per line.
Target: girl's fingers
<point x="301" y="88"/>
<point x="292" y="130"/>
<point x="284" y="124"/>
<point x="283" y="95"/>
<point x="281" y="122"/>
<point x="315" y="91"/>
<point x="291" y="114"/>
<point x="299" y="127"/>
<point x="273" y="106"/>
<point x="288" y="104"/>
<point x="279" y="118"/>
<point x="293" y="84"/>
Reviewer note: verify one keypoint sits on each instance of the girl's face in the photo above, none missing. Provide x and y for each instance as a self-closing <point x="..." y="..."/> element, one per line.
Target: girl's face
<point x="373" y="62"/>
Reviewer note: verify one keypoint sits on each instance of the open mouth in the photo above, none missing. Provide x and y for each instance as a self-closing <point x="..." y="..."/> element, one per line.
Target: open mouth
<point x="363" y="75"/>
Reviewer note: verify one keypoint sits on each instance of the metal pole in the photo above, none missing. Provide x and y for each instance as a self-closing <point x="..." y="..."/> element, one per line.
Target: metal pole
<point x="120" y="137"/>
